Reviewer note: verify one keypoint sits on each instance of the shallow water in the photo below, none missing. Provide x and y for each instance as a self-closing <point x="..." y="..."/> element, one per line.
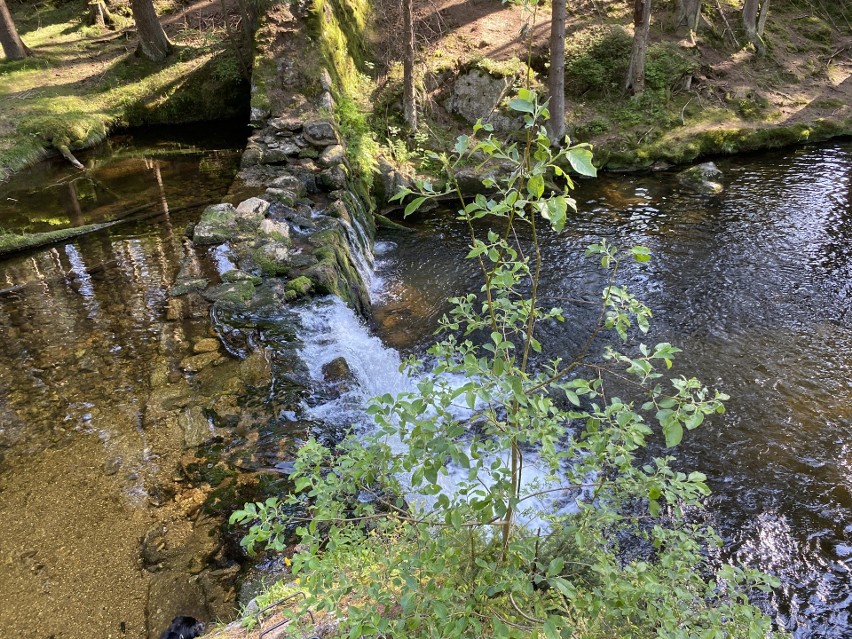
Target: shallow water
<point x="756" y="287"/>
<point x="86" y="468"/>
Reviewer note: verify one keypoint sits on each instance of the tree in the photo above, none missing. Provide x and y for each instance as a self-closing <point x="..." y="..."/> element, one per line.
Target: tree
<point x="641" y="29"/>
<point x="153" y="42"/>
<point x="689" y="14"/>
<point x="13" y="46"/>
<point x="754" y="21"/>
<point x="556" y="76"/>
<point x="409" y="100"/>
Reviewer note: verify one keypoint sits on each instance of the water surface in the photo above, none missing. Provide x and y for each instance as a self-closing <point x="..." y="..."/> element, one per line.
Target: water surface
<point x="756" y="287"/>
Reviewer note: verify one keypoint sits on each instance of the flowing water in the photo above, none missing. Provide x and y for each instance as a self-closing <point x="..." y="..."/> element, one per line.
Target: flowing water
<point x="756" y="287"/>
<point x="87" y="470"/>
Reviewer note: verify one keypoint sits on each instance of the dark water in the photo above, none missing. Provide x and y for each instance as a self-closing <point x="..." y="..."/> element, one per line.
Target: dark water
<point x="756" y="287"/>
<point x="85" y="352"/>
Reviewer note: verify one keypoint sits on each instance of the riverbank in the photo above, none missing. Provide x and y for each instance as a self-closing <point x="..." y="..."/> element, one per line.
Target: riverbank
<point x="707" y="93"/>
<point x="82" y="81"/>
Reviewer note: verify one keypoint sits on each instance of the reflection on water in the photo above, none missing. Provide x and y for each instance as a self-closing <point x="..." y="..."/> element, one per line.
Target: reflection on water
<point x="756" y="287"/>
<point x="83" y="457"/>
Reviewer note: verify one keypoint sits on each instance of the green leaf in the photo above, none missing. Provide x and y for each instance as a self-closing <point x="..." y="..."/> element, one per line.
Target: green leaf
<point x="518" y="104"/>
<point x="673" y="432"/>
<point x="581" y="161"/>
<point x="412" y="206"/>
<point x="535" y="185"/>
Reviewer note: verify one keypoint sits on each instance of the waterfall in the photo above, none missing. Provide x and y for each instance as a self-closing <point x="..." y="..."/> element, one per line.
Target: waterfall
<point x="331" y="330"/>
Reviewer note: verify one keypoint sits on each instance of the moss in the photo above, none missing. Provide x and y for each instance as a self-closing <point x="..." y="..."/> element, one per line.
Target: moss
<point x="13" y="242"/>
<point x="596" y="60"/>
<point x="301" y="285"/>
<point x="75" y="90"/>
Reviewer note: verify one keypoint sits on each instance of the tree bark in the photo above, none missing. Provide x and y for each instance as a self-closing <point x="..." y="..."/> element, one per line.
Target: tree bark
<point x="99" y="14"/>
<point x="13" y="46"/>
<point x="153" y="43"/>
<point x="754" y="22"/>
<point x="689" y="14"/>
<point x="556" y="76"/>
<point x="641" y="29"/>
<point x="409" y="100"/>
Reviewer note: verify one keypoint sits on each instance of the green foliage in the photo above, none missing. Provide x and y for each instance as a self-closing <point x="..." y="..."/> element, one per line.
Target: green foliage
<point x="394" y="551"/>
<point x="596" y="61"/>
<point x="667" y="65"/>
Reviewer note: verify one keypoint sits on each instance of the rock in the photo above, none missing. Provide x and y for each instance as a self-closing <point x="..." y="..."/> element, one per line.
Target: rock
<point x="112" y="466"/>
<point x="272" y="258"/>
<point x="182" y="287"/>
<point x="289" y="183"/>
<point x="301" y="286"/>
<point x="195" y="363"/>
<point x="277" y="156"/>
<point x="250" y="212"/>
<point x="240" y="292"/>
<point x="252" y="156"/>
<point x="196" y="428"/>
<point x="284" y="196"/>
<point x="320" y="133"/>
<point x="218" y="224"/>
<point x="206" y="345"/>
<point x="337" y="371"/>
<point x="284" y="123"/>
<point x="332" y="179"/>
<point x="326" y="101"/>
<point x="701" y="179"/>
<point x="276" y="230"/>
<point x="325" y="80"/>
<point x="477" y="95"/>
<point x="331" y="155"/>
<point x="175" y="310"/>
<point x="236" y="275"/>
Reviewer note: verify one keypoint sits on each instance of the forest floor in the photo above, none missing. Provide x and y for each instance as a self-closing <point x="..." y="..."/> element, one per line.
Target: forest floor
<point x="707" y="95"/>
<point x="82" y="80"/>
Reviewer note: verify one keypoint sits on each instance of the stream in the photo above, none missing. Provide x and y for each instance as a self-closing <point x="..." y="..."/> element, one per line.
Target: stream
<point x="88" y="469"/>
<point x="102" y="532"/>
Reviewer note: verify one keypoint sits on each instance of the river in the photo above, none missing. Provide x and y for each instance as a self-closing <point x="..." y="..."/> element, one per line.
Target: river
<point x="755" y="285"/>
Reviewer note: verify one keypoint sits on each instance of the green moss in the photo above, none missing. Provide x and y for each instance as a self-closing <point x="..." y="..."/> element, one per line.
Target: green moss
<point x="13" y="242"/>
<point x="300" y="285"/>
<point x="74" y="90"/>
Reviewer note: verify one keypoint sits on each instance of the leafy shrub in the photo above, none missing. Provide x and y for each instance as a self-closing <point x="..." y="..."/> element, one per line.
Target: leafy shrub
<point x="615" y="550"/>
<point x="667" y="66"/>
<point x="596" y="60"/>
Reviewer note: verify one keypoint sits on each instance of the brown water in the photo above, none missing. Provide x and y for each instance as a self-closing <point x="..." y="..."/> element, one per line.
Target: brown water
<point x="90" y="445"/>
<point x="756" y="287"/>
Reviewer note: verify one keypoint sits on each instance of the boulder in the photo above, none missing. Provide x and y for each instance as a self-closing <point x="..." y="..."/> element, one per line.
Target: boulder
<point x="332" y="179"/>
<point x="290" y="183"/>
<point x="218" y="224"/>
<point x="250" y="212"/>
<point x="274" y="229"/>
<point x="206" y="345"/>
<point x="320" y="133"/>
<point x="702" y="179"/>
<point x="477" y="95"/>
<point x="331" y="155"/>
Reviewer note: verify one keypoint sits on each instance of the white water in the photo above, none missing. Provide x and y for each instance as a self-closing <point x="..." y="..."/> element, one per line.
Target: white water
<point x="331" y="330"/>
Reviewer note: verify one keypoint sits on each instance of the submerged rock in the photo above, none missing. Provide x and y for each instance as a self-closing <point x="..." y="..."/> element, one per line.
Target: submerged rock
<point x="701" y="179"/>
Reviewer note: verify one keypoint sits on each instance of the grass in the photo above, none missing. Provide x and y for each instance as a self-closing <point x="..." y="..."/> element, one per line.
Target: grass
<point x="82" y="82"/>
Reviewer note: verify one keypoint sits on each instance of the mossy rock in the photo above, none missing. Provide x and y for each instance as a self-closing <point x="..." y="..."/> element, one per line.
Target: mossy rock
<point x="218" y="224"/>
<point x="233" y="292"/>
<point x="272" y="258"/>
<point x="299" y="286"/>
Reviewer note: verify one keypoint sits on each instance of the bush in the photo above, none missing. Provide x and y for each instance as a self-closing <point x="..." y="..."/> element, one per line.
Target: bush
<point x="596" y="61"/>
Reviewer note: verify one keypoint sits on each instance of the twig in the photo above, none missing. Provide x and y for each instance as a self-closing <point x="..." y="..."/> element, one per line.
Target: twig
<point x="727" y="25"/>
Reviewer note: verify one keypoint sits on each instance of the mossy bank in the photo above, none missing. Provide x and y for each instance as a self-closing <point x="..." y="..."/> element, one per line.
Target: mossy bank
<point x="84" y="81"/>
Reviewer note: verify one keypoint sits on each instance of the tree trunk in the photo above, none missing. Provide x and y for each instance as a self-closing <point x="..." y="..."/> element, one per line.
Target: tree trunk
<point x="754" y="22"/>
<point x="556" y="76"/>
<point x="99" y="14"/>
<point x="13" y="47"/>
<point x="153" y="43"/>
<point x="409" y="101"/>
<point x="689" y="14"/>
<point x="641" y="29"/>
